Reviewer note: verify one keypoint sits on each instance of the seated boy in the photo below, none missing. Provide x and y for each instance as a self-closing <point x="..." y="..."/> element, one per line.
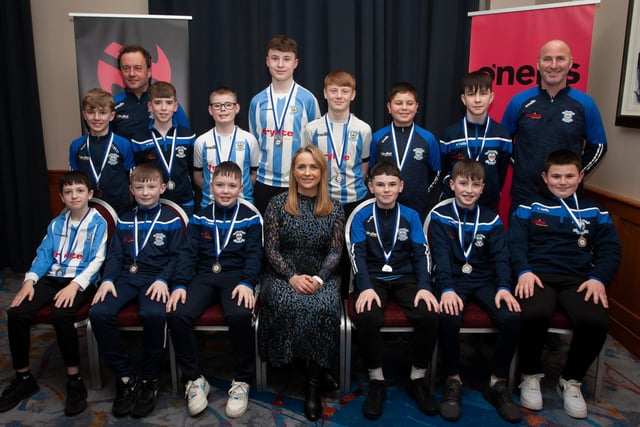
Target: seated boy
<point x="67" y="263"/>
<point x="224" y="248"/>
<point x="141" y="261"/>
<point x="225" y="141"/>
<point x="103" y="155"/>
<point x="390" y="258"/>
<point x="168" y="146"/>
<point x="472" y="263"/>
<point x="479" y="138"/>
<point x="564" y="251"/>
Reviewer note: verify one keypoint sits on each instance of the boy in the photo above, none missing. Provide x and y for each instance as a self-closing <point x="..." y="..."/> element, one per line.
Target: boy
<point x="132" y="113"/>
<point x="67" y="263"/>
<point x="168" y="146"/>
<point x="103" y="155"/>
<point x="390" y="258"/>
<point x="346" y="141"/>
<point x="141" y="262"/>
<point x="413" y="149"/>
<point x="479" y="138"/>
<point x="224" y="248"/>
<point x="564" y="250"/>
<point x="472" y="262"/>
<point x="277" y="116"/>
<point x="225" y="142"/>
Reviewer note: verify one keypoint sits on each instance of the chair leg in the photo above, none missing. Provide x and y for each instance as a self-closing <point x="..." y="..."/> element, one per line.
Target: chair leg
<point x="343" y="343"/>
<point x="261" y="367"/>
<point x="346" y="377"/>
<point x="599" y="374"/>
<point x="94" y="358"/>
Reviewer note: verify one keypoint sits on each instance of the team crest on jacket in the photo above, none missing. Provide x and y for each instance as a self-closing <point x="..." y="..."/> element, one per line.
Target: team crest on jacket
<point x="238" y="236"/>
<point x="492" y="156"/>
<point x="418" y="154"/>
<point x="181" y="152"/>
<point x="567" y="116"/>
<point x="293" y="109"/>
<point x="113" y="159"/>
<point x="240" y="145"/>
<point x="479" y="241"/>
<point x="159" y="239"/>
<point x="353" y="135"/>
<point x="403" y="234"/>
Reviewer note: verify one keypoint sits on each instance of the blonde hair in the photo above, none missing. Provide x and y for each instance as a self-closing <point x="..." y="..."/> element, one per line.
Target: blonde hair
<point x="324" y="205"/>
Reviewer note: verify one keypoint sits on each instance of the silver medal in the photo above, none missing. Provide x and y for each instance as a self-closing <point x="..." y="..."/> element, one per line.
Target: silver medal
<point x="133" y="269"/>
<point x="466" y="268"/>
<point x="171" y="185"/>
<point x="277" y="142"/>
<point x="338" y="178"/>
<point x="216" y="267"/>
<point x="387" y="268"/>
<point x="582" y="242"/>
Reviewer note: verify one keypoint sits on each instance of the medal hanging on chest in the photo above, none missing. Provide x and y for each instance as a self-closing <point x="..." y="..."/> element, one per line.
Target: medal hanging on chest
<point x="467" y="268"/>
<point x="386" y="268"/>
<point x="581" y="226"/>
<point x="217" y="267"/>
<point x="133" y="269"/>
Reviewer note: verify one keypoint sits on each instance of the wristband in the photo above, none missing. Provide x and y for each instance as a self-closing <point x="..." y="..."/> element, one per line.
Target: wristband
<point x="319" y="280"/>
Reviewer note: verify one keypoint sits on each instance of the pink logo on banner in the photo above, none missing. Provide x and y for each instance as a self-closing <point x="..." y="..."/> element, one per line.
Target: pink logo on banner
<point x="506" y="45"/>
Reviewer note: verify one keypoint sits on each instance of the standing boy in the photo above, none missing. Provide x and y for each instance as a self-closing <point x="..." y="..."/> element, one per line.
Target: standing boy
<point x="565" y="251"/>
<point x="478" y="138"/>
<point x="277" y="116"/>
<point x="224" y="142"/>
<point x="168" y="146"/>
<point x="345" y="140"/>
<point x="472" y="262"/>
<point x="390" y="258"/>
<point x="413" y="149"/>
<point x="103" y="155"/>
<point x="224" y="248"/>
<point x="141" y="262"/>
<point x="66" y="266"/>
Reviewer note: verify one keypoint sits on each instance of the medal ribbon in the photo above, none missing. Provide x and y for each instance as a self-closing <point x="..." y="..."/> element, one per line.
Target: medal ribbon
<point x="387" y="255"/>
<point x="345" y="131"/>
<point x="466" y="252"/>
<point x="137" y="248"/>
<point x="219" y="145"/>
<point x="399" y="162"/>
<point x="466" y="139"/>
<point x="279" y="119"/>
<point x="576" y="220"/>
<point x="167" y="166"/>
<point x="95" y="173"/>
<point x="228" y="234"/>
<point x="69" y="244"/>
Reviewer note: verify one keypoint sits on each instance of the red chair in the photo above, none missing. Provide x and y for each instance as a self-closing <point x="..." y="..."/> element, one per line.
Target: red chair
<point x="42" y="317"/>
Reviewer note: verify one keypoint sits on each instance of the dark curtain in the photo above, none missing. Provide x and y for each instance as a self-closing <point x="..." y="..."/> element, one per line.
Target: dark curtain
<point x="425" y="42"/>
<point x="24" y="190"/>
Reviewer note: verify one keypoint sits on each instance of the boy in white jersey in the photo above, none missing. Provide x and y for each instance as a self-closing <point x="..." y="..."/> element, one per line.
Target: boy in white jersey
<point x="63" y="273"/>
<point x="225" y="142"/>
<point x="345" y="140"/>
<point x="277" y="116"/>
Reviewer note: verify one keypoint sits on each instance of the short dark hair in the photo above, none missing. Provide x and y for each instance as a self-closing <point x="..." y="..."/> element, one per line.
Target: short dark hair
<point x="468" y="168"/>
<point x="476" y="80"/>
<point x="384" y="168"/>
<point x="227" y="168"/>
<point x="132" y="48"/>
<point x="74" y="177"/>
<point x="283" y="43"/>
<point x="562" y="157"/>
<point x="402" y="87"/>
<point x="161" y="90"/>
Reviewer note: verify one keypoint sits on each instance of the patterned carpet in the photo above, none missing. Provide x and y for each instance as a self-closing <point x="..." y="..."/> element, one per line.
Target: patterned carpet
<point x="281" y="405"/>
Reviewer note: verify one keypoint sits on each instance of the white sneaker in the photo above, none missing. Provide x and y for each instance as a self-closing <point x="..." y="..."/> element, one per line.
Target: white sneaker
<point x="530" y="394"/>
<point x="238" y="399"/>
<point x="574" y="404"/>
<point x="196" y="393"/>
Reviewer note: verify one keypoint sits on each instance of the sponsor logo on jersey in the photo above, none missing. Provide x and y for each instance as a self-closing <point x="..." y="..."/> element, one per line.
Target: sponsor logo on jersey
<point x="534" y="116"/>
<point x="539" y="222"/>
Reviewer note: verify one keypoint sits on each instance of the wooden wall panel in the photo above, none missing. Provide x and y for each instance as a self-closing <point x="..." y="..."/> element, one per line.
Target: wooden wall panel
<point x="54" y="191"/>
<point x="624" y="294"/>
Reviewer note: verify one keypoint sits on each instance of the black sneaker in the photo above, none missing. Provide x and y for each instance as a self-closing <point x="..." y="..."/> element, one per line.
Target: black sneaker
<point x="498" y="395"/>
<point x="18" y="390"/>
<point x="125" y="396"/>
<point x="145" y="401"/>
<point x="76" y="400"/>
<point x="419" y="392"/>
<point x="372" y="406"/>
<point x="451" y="397"/>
